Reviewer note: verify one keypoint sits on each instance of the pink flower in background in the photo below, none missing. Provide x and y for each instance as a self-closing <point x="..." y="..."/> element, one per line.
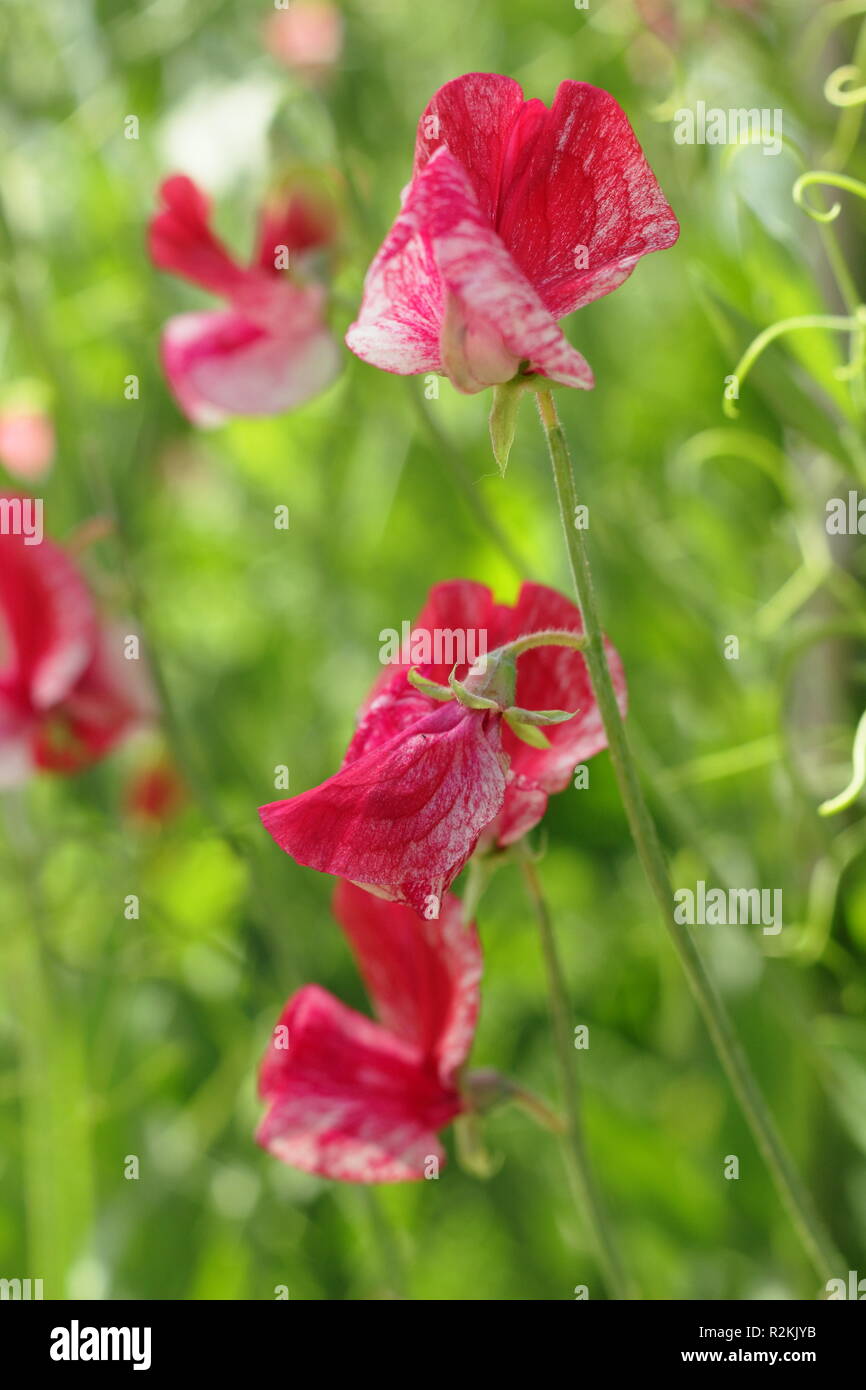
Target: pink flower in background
<point x="423" y="781"/>
<point x="516" y="216"/>
<point x="405" y="816"/>
<point x="307" y="37"/>
<point x="26" y="443"/>
<point x="271" y="349"/>
<point x="362" y="1101"/>
<point x="68" y="694"/>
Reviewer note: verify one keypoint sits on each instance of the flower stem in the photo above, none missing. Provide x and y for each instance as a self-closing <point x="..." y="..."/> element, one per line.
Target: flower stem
<point x="808" y="1224"/>
<point x="586" y="1193"/>
<point x="543" y="1115"/>
<point x="575" y="640"/>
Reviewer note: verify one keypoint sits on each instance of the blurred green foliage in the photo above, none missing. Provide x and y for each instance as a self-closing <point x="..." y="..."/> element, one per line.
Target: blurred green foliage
<point x="142" y="1037"/>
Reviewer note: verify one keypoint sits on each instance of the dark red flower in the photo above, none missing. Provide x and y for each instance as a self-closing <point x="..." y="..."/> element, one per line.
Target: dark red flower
<point x="68" y="693"/>
<point x="271" y="349"/>
<point x="516" y="216"/>
<point x="422" y="781"/>
<point x="405" y="815"/>
<point x="362" y="1101"/>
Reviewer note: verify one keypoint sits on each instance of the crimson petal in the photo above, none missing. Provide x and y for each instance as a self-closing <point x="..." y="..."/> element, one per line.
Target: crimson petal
<point x="580" y="182"/>
<point x="423" y="976"/>
<point x="181" y="239"/>
<point x="405" y="816"/>
<point x="474" y="117"/>
<point x="347" y="1098"/>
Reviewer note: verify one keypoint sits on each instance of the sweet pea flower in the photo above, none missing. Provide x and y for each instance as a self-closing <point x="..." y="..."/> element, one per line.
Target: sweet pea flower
<point x="362" y="1101"/>
<point x="427" y="776"/>
<point x="271" y="349"/>
<point x="516" y="215"/>
<point x="68" y="695"/>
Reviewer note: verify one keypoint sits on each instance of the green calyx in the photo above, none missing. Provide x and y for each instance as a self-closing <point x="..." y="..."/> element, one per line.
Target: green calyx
<point x="504" y="410"/>
<point x="468" y="697"/>
<point x="490" y="685"/>
<point x="503" y="419"/>
<point x="431" y="689"/>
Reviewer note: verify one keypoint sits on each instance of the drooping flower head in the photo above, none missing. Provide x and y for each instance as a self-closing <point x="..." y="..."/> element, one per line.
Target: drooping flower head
<point x="271" y="349"/>
<point x="516" y="215"/>
<point x="362" y="1101"/>
<point x="68" y="694"/>
<point x="423" y="780"/>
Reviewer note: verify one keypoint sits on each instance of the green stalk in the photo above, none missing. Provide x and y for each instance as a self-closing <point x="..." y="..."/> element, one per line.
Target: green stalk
<point x="586" y="1193"/>
<point x="809" y="1227"/>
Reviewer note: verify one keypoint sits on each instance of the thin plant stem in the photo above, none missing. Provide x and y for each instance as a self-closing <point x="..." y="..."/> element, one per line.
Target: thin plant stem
<point x="551" y="638"/>
<point x="815" y="1238"/>
<point x="832" y="322"/>
<point x="586" y="1193"/>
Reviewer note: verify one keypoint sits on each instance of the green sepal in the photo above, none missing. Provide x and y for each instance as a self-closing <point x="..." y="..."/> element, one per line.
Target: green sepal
<point x="503" y="420"/>
<point x="429" y="688"/>
<point x="529" y="733"/>
<point x="467" y="698"/>
<point x="541" y="716"/>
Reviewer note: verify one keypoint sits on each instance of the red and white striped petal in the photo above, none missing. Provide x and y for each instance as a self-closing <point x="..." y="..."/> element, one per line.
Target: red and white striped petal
<point x="347" y="1099"/>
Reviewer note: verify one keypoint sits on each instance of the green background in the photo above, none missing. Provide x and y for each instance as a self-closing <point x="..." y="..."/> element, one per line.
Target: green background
<point x="142" y="1037"/>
